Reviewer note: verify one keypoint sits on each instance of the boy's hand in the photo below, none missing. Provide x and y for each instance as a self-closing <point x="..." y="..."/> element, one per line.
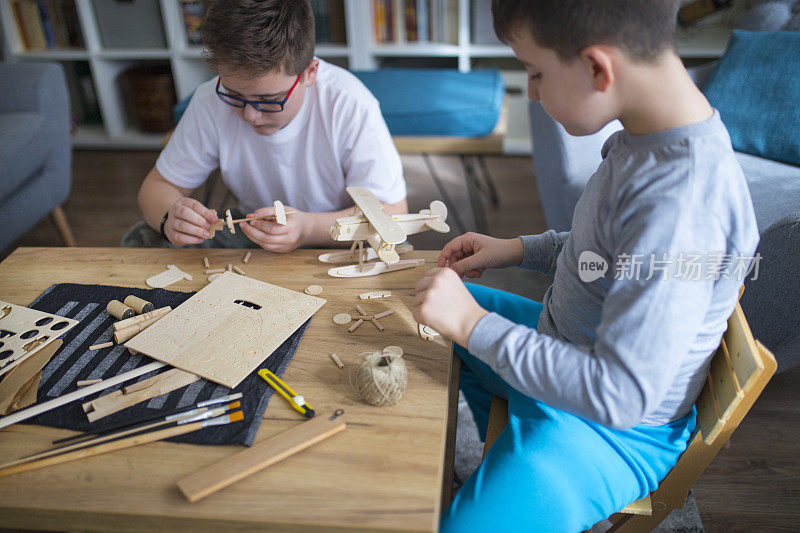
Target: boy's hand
<point x="445" y="304"/>
<point x="188" y="222"/>
<point x="470" y="254"/>
<point x="272" y="236"/>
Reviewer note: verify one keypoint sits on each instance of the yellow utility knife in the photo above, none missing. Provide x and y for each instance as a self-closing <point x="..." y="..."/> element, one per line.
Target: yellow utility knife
<point x="296" y="400"/>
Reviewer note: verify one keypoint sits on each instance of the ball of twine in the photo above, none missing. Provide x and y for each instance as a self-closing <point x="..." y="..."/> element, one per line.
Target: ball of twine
<point x="380" y="378"/>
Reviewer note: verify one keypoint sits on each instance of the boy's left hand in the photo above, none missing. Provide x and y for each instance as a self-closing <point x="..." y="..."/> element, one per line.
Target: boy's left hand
<point x="272" y="236"/>
<point x="445" y="304"/>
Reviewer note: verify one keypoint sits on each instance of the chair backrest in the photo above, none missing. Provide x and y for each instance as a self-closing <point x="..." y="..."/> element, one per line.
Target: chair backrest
<point x="739" y="372"/>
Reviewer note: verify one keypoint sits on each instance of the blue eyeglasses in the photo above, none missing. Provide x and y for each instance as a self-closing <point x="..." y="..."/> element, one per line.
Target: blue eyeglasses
<point x="265" y="106"/>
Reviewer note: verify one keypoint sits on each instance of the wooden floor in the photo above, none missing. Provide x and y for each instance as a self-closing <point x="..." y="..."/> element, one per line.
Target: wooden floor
<point x="752" y="486"/>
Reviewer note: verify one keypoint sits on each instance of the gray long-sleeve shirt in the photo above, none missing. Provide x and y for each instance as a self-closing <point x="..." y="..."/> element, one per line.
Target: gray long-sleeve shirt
<point x="622" y="349"/>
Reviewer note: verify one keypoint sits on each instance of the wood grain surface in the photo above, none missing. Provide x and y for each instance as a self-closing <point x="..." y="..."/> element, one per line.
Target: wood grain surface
<point x="384" y="473"/>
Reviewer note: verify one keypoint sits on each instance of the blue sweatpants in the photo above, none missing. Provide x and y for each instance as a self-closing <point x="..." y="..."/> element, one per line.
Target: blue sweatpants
<point x="551" y="471"/>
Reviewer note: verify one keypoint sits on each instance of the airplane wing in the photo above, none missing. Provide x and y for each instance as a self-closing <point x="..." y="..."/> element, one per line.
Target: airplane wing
<point x="389" y="230"/>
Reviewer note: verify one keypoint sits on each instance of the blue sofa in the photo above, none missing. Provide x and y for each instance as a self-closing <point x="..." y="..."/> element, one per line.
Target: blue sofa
<point x="35" y="148"/>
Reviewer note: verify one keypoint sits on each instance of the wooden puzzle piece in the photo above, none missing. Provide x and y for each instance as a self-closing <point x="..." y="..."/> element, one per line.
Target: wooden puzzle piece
<point x="373" y="269"/>
<point x="168" y="277"/>
<point x="374" y="294"/>
<point x="280" y="213"/>
<point x="369" y="254"/>
<point x="229" y="221"/>
<point x="427" y="332"/>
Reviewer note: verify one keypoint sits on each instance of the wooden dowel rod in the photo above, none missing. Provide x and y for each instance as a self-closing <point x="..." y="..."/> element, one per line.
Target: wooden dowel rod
<point x="25" y="414"/>
<point x="25" y="465"/>
<point x="262" y="217"/>
<point x="128" y="322"/>
<point x="131" y="331"/>
<point x="88" y="382"/>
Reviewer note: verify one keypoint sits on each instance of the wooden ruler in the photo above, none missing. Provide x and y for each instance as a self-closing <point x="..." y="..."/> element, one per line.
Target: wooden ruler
<point x="237" y="467"/>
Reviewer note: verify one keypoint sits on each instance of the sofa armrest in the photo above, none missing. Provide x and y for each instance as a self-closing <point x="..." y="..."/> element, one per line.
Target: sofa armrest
<point x="33" y="87"/>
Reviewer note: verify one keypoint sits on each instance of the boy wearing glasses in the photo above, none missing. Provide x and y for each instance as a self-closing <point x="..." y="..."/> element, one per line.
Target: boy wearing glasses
<point x="601" y="377"/>
<point x="281" y="125"/>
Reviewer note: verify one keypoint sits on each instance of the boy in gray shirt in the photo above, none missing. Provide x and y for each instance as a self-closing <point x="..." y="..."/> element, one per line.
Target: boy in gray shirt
<point x="602" y="376"/>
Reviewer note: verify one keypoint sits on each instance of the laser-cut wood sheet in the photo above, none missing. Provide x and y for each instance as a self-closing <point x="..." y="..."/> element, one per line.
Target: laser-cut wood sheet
<point x="24" y="331"/>
<point x="226" y="330"/>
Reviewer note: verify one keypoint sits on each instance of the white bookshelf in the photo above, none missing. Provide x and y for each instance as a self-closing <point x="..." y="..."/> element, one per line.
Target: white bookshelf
<point x="360" y="53"/>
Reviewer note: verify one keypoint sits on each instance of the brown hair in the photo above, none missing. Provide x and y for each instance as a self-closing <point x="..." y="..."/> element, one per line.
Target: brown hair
<point x="642" y="28"/>
<point x="257" y="37"/>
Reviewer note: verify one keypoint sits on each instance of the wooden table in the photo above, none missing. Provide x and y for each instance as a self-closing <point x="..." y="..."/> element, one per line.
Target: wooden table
<point x="385" y="472"/>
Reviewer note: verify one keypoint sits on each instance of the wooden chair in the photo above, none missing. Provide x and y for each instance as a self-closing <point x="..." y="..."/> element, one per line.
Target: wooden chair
<point x="739" y="372"/>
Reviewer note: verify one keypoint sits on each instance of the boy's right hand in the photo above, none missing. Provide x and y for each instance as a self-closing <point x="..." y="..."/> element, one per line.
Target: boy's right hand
<point x="470" y="254"/>
<point x="188" y="222"/>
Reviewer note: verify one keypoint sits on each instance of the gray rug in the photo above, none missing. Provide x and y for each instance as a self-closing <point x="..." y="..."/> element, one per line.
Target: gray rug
<point x="469" y="450"/>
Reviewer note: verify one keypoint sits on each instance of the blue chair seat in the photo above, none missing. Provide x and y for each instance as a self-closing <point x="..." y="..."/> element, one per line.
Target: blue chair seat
<point x="440" y="102"/>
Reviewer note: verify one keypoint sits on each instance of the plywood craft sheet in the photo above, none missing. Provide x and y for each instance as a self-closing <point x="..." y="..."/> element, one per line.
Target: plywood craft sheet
<point x="226" y="330"/>
<point x="24" y="331"/>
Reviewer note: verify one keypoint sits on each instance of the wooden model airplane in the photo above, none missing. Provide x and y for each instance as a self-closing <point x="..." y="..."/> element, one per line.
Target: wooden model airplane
<point x="382" y="232"/>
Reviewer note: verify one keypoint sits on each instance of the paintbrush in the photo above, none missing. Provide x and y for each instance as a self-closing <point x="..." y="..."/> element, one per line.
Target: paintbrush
<point x="24" y="465"/>
<point x="190" y="416"/>
<point x="166" y="415"/>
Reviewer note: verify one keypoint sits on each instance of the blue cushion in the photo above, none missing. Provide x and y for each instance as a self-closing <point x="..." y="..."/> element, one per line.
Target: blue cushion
<point x="437" y="101"/>
<point x="756" y="88"/>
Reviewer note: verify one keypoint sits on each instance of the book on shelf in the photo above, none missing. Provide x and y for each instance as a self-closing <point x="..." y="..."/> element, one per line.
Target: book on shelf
<point x="329" y="22"/>
<point x="194" y="13"/>
<point x="402" y="21"/>
<point x="84" y="107"/>
<point x="47" y="24"/>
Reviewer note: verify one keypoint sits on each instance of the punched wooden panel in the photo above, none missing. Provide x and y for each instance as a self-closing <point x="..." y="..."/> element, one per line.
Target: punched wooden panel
<point x="226" y="330"/>
<point x="24" y="331"/>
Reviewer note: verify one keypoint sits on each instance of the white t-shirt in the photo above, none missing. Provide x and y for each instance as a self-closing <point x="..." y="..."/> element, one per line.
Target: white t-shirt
<point x="338" y="139"/>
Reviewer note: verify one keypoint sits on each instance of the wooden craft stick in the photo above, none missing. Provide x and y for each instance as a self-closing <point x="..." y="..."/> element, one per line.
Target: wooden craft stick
<point x="361" y="310"/>
<point x="119" y="310"/>
<point x="86" y="382"/>
<point x="101" y="345"/>
<point x="355" y="325"/>
<point x="246" y="257"/>
<point x="377" y="324"/>
<point x="131" y="331"/>
<point x="122" y="324"/>
<point x="78" y="394"/>
<point x="374" y="294"/>
<point x="215" y="271"/>
<point x="238" y="270"/>
<point x="237" y="467"/>
<point x="163" y="383"/>
<point x="139" y="305"/>
<point x="385" y="313"/>
<point x="260" y="217"/>
<point x="337" y="360"/>
<point x="206" y="263"/>
<point x="24" y="465"/>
